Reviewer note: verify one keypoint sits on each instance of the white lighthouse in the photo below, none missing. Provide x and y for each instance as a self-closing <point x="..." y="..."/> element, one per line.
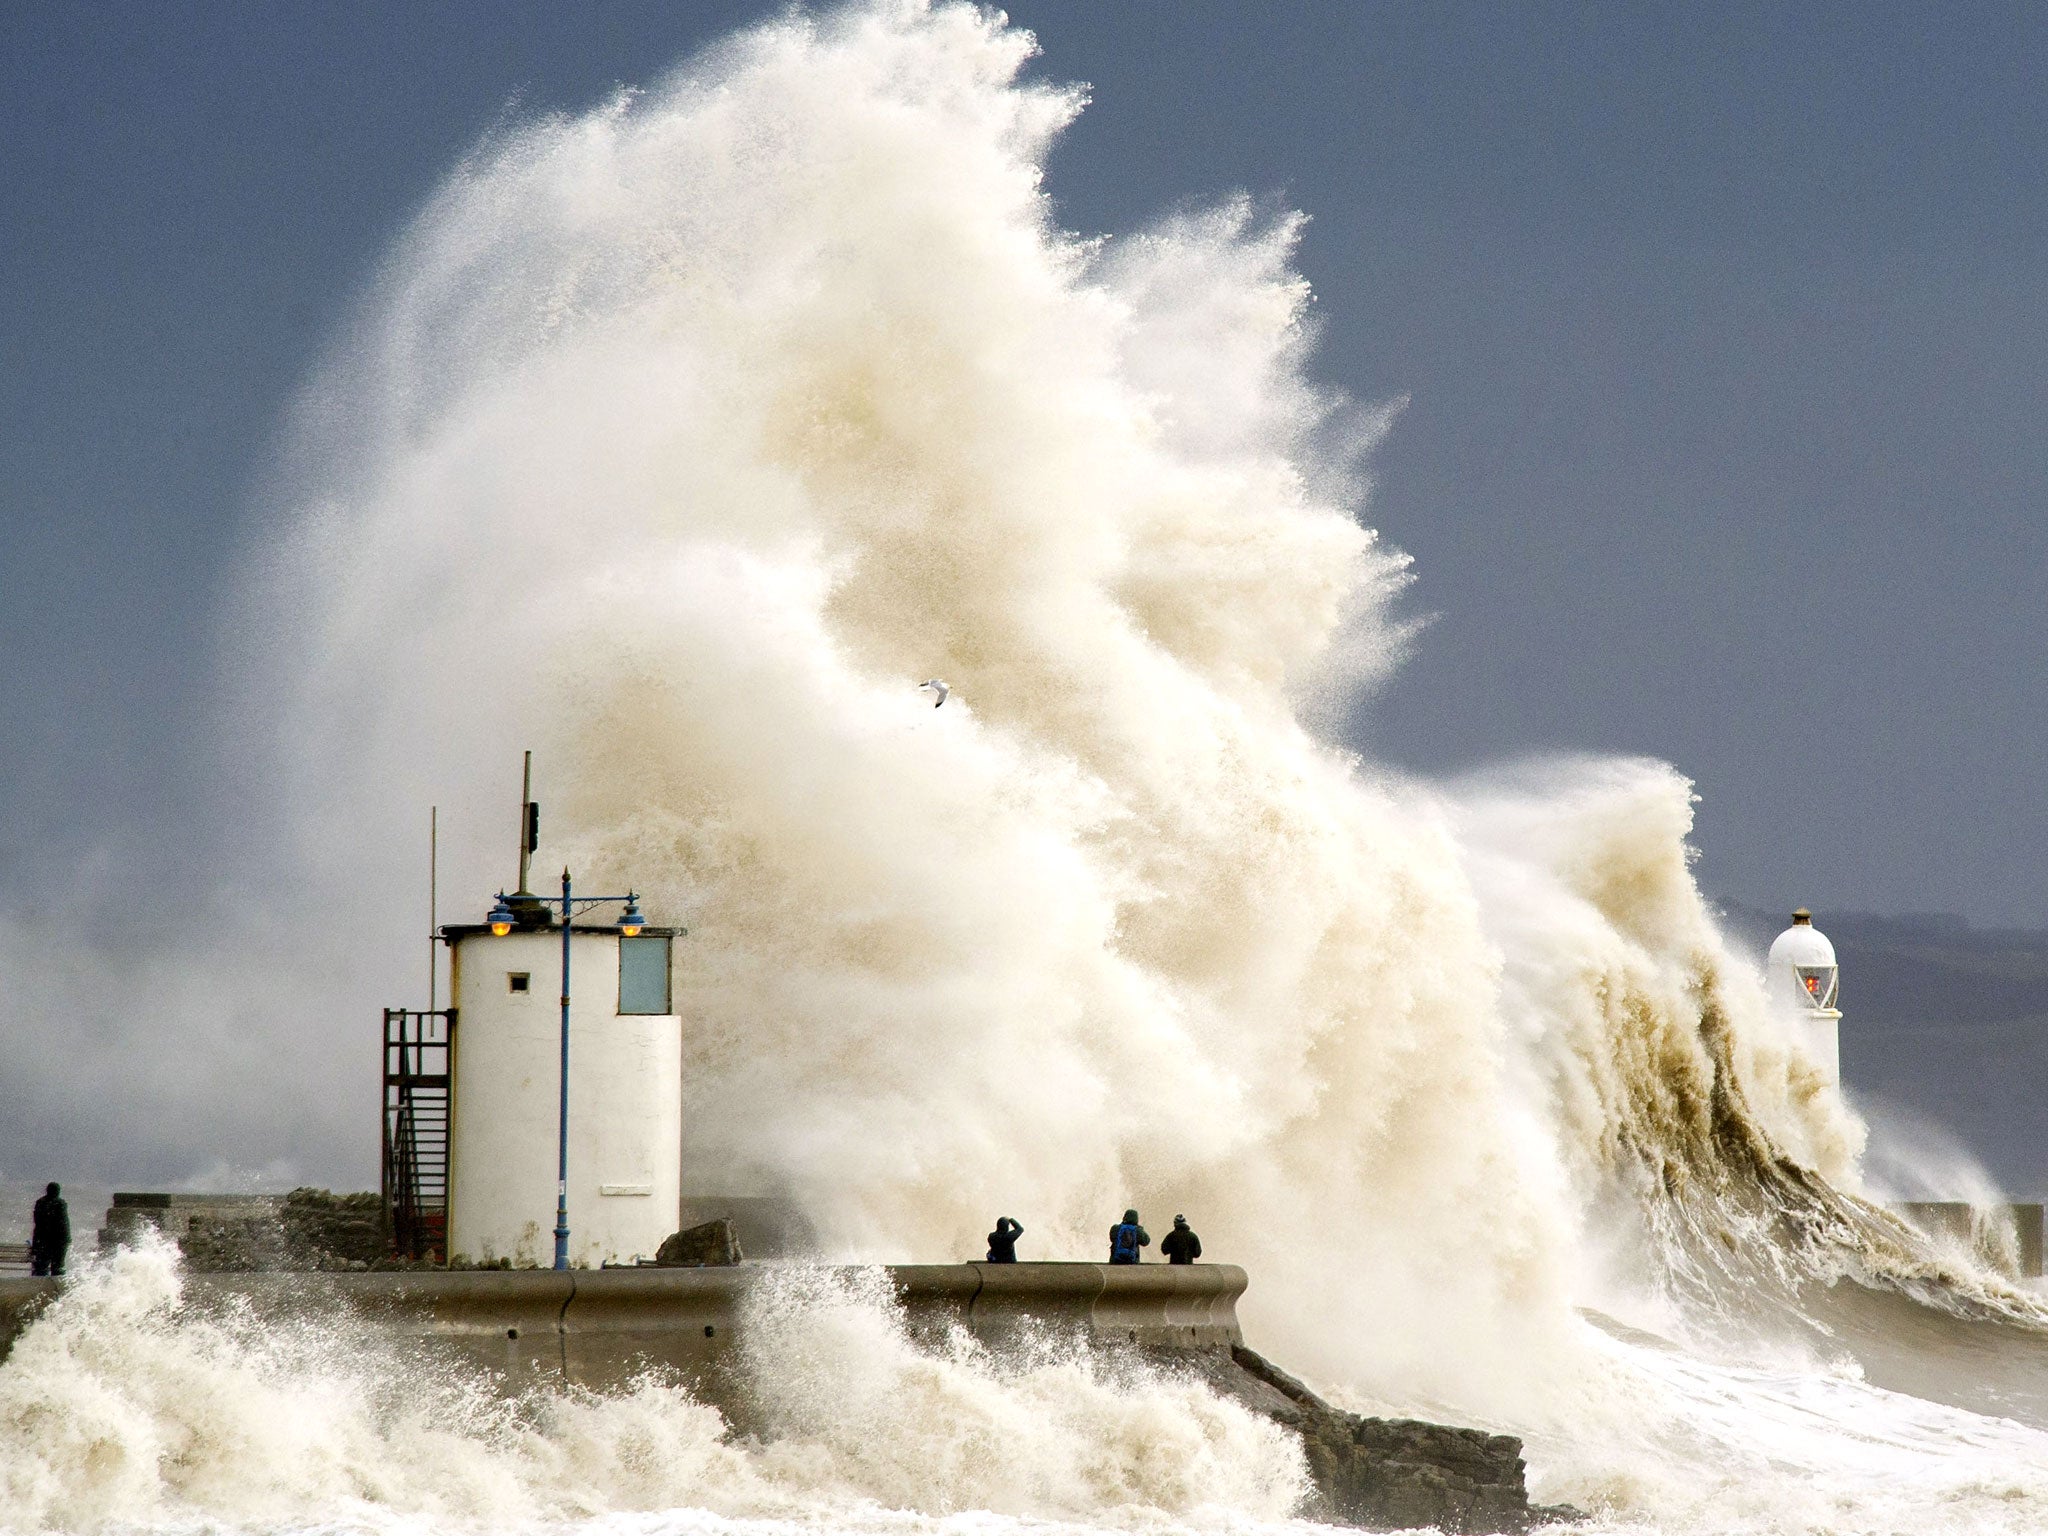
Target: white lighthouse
<point x="1803" y="980"/>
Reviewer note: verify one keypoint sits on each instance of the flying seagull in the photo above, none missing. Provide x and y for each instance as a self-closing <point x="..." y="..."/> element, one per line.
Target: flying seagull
<point x="936" y="687"/>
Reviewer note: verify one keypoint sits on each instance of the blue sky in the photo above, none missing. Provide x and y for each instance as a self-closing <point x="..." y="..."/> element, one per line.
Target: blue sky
<point x="1722" y="329"/>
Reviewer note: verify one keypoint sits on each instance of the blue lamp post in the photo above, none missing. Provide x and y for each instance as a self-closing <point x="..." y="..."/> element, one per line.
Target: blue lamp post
<point x="630" y="923"/>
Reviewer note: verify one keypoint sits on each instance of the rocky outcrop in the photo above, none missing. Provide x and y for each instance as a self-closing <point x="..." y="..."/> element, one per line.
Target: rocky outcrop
<point x="306" y="1230"/>
<point x="1381" y="1474"/>
<point x="1398" y="1474"/>
<point x="342" y="1229"/>
<point x="710" y="1243"/>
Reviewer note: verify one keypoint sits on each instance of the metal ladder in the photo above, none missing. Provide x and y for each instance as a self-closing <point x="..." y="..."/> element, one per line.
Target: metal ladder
<point x="417" y="1046"/>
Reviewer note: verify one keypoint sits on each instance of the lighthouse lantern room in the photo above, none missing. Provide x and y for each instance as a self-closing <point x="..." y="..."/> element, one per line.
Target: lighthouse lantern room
<point x="1803" y="981"/>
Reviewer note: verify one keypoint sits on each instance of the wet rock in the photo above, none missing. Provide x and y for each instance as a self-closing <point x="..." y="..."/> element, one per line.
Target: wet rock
<point x="712" y="1242"/>
<point x="218" y="1245"/>
<point x="330" y="1231"/>
<point x="308" y="1229"/>
<point x="1397" y="1474"/>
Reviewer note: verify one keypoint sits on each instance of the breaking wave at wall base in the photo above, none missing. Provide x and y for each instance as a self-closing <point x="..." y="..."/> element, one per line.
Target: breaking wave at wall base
<point x="126" y="1403"/>
<point x="681" y="439"/>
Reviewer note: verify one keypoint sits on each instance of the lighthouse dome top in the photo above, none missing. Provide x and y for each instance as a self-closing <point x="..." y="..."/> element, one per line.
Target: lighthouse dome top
<point x="1801" y="944"/>
<point x="1801" y="968"/>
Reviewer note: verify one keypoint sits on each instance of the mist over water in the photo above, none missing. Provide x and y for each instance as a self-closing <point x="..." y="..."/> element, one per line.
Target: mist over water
<point x="680" y="441"/>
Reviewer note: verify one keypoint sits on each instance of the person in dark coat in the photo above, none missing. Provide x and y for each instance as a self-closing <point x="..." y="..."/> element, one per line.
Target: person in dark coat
<point x="1126" y="1238"/>
<point x="1181" y="1246"/>
<point x="1002" y="1243"/>
<point x="50" y="1236"/>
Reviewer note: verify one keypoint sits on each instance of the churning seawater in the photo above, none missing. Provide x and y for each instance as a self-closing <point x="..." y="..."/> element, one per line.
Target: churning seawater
<point x="680" y="441"/>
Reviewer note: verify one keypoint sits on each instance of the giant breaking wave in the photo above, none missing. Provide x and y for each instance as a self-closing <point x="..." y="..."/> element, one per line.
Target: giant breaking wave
<point x="680" y="440"/>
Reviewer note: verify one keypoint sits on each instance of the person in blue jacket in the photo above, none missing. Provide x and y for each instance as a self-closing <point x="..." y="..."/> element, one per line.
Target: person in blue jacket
<point x="1126" y="1238"/>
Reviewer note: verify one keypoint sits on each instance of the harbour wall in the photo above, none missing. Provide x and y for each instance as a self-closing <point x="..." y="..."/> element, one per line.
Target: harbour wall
<point x="599" y="1328"/>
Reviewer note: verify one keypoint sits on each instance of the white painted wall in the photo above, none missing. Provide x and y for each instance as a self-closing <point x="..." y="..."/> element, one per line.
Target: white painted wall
<point x="1823" y="1031"/>
<point x="625" y="1106"/>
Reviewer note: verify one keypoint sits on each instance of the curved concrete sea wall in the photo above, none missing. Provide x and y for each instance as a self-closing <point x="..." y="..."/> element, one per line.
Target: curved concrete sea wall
<point x="597" y="1327"/>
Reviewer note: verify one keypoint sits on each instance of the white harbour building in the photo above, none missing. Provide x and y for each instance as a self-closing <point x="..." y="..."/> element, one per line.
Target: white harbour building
<point x="624" y="1090"/>
<point x="537" y="1121"/>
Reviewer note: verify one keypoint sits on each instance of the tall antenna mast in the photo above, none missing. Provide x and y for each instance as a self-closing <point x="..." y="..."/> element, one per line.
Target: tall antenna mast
<point x="433" y="903"/>
<point x="529" y="822"/>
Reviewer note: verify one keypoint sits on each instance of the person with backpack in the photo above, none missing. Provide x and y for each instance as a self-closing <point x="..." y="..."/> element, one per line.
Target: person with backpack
<point x="1002" y="1243"/>
<point x="1181" y="1246"/>
<point x="1126" y="1238"/>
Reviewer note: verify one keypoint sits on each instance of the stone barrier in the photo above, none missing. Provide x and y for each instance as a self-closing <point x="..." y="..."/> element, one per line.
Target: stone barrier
<point x="598" y="1329"/>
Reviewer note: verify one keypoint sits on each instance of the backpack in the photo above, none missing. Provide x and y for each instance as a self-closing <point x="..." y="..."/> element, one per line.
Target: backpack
<point x="1123" y="1241"/>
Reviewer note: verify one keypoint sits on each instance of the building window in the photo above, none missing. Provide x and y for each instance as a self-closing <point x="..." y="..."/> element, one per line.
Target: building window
<point x="643" y="974"/>
<point x="520" y="981"/>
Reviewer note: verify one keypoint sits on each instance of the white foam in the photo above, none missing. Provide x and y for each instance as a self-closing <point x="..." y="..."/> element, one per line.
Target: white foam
<point x="1801" y="1448"/>
<point x="680" y="441"/>
<point x="766" y="395"/>
<point x="126" y="1404"/>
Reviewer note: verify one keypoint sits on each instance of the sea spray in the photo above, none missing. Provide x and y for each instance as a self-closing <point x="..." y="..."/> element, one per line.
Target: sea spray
<point x="680" y="441"/>
<point x="683" y="440"/>
<point x="135" y="1399"/>
<point x="122" y="1404"/>
<point x="832" y="1367"/>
